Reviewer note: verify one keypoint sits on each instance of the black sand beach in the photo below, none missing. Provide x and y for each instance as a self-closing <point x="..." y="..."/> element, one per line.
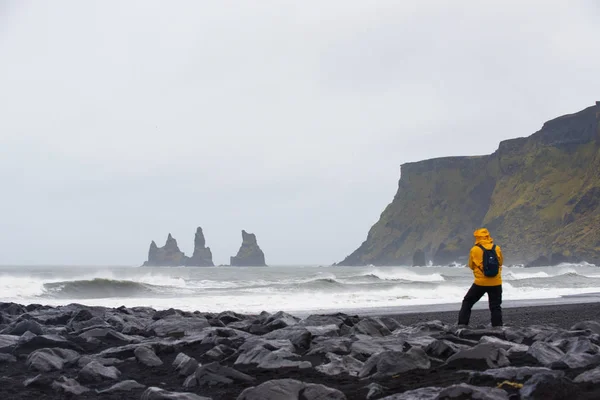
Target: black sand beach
<point x="77" y="351"/>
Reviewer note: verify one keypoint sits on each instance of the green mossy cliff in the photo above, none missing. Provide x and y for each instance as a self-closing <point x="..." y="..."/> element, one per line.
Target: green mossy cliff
<point x="539" y="196"/>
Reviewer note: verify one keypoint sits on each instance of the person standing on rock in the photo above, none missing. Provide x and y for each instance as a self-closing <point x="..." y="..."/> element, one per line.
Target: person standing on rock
<point x="485" y="260"/>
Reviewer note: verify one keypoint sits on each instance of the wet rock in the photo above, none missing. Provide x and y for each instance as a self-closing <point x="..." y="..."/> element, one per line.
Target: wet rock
<point x="366" y="346"/>
<point x="545" y="353"/>
<point x="125" y="386"/>
<point x="463" y="390"/>
<point x="374" y="390"/>
<point x="12" y="309"/>
<point x="489" y="354"/>
<point x="31" y="343"/>
<point x="270" y="354"/>
<point x="593" y="326"/>
<point x="7" y="358"/>
<point x="341" y="365"/>
<point x="214" y="374"/>
<point x="69" y="386"/>
<point x="290" y="389"/>
<point x="184" y="364"/>
<point x="428" y="393"/>
<point x="324" y="330"/>
<point x="390" y="363"/>
<point x="515" y="373"/>
<point x="336" y="345"/>
<point x="227" y="317"/>
<point x="299" y="336"/>
<point x="580" y="360"/>
<point x="510" y="347"/>
<point x="372" y="327"/>
<point x="46" y="360"/>
<point x="323" y="320"/>
<point x="96" y="372"/>
<point x="442" y="349"/>
<point x="154" y="393"/>
<point x="23" y="326"/>
<point x="279" y="320"/>
<point x="219" y="352"/>
<point x="591" y="376"/>
<point x="108" y="333"/>
<point x="548" y="387"/>
<point x="477" y="334"/>
<point x="7" y="343"/>
<point x="85" y="360"/>
<point x="145" y="355"/>
<point x="176" y="326"/>
<point x="40" y="381"/>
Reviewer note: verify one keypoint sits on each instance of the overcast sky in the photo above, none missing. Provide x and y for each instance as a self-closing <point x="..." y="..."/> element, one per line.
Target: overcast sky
<point x="122" y="121"/>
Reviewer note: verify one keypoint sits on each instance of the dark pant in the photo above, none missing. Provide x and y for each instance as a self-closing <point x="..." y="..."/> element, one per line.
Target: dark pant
<point x="473" y="295"/>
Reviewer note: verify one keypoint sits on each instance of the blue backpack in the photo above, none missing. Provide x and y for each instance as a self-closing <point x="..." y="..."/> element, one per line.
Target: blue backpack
<point x="491" y="265"/>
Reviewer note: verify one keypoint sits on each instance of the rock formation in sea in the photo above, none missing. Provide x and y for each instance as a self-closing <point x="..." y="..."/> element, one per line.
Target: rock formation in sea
<point x="168" y="255"/>
<point x="171" y="256"/>
<point x="419" y="259"/>
<point x="539" y="196"/>
<point x="249" y="255"/>
<point x="202" y="256"/>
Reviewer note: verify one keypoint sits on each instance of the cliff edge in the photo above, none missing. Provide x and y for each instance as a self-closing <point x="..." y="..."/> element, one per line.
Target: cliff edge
<point x="539" y="196"/>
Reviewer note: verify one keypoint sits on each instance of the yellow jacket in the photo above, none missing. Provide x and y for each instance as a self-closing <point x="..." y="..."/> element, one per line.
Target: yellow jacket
<point x="482" y="237"/>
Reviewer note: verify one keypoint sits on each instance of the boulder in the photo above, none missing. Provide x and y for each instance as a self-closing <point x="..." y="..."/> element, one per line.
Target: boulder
<point x="366" y="346"/>
<point x="593" y="326"/>
<point x="465" y="391"/>
<point x="184" y="364"/>
<point x="108" y="333"/>
<point x="489" y="355"/>
<point x="146" y="356"/>
<point x="427" y="393"/>
<point x="591" y="376"/>
<point x="290" y="389"/>
<point x="23" y="326"/>
<point x="7" y="343"/>
<point x="270" y="354"/>
<point x="154" y="393"/>
<point x="69" y="386"/>
<point x="341" y="365"/>
<point x="215" y="374"/>
<point x="176" y="326"/>
<point x="29" y="343"/>
<point x="389" y="363"/>
<point x="545" y="353"/>
<point x="250" y="254"/>
<point x="96" y="372"/>
<point x="372" y="327"/>
<point x="46" y="360"/>
<point x="548" y="387"/>
<point x="519" y="374"/>
<point x="124" y="386"/>
<point x="7" y="358"/>
<point x="299" y="336"/>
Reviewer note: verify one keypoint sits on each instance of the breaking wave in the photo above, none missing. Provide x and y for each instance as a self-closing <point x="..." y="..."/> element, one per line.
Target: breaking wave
<point x="100" y="288"/>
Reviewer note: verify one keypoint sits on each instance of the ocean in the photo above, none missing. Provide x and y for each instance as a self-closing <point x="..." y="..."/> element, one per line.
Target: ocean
<point x="295" y="289"/>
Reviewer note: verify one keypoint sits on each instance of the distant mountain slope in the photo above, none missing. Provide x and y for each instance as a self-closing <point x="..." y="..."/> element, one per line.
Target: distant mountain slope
<point x="539" y="196"/>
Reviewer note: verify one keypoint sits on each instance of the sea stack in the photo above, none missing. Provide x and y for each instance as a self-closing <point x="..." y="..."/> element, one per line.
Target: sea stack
<point x="249" y="255"/>
<point x="168" y="255"/>
<point x="202" y="256"/>
<point x="171" y="256"/>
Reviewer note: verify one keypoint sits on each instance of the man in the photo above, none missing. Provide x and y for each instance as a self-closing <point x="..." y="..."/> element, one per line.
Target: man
<point x="485" y="259"/>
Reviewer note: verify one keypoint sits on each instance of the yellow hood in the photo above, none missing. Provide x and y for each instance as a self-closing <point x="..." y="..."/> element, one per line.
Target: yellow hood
<point x="482" y="237"/>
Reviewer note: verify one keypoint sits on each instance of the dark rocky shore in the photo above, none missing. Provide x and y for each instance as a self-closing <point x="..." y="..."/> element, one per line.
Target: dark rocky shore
<point x="140" y="353"/>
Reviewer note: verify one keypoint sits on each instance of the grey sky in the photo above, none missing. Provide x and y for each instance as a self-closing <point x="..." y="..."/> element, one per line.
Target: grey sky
<point x="122" y="121"/>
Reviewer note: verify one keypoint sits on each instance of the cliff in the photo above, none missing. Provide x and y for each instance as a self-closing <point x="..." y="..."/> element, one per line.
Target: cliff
<point x="539" y="196"/>
<point x="171" y="256"/>
<point x="250" y="254"/>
